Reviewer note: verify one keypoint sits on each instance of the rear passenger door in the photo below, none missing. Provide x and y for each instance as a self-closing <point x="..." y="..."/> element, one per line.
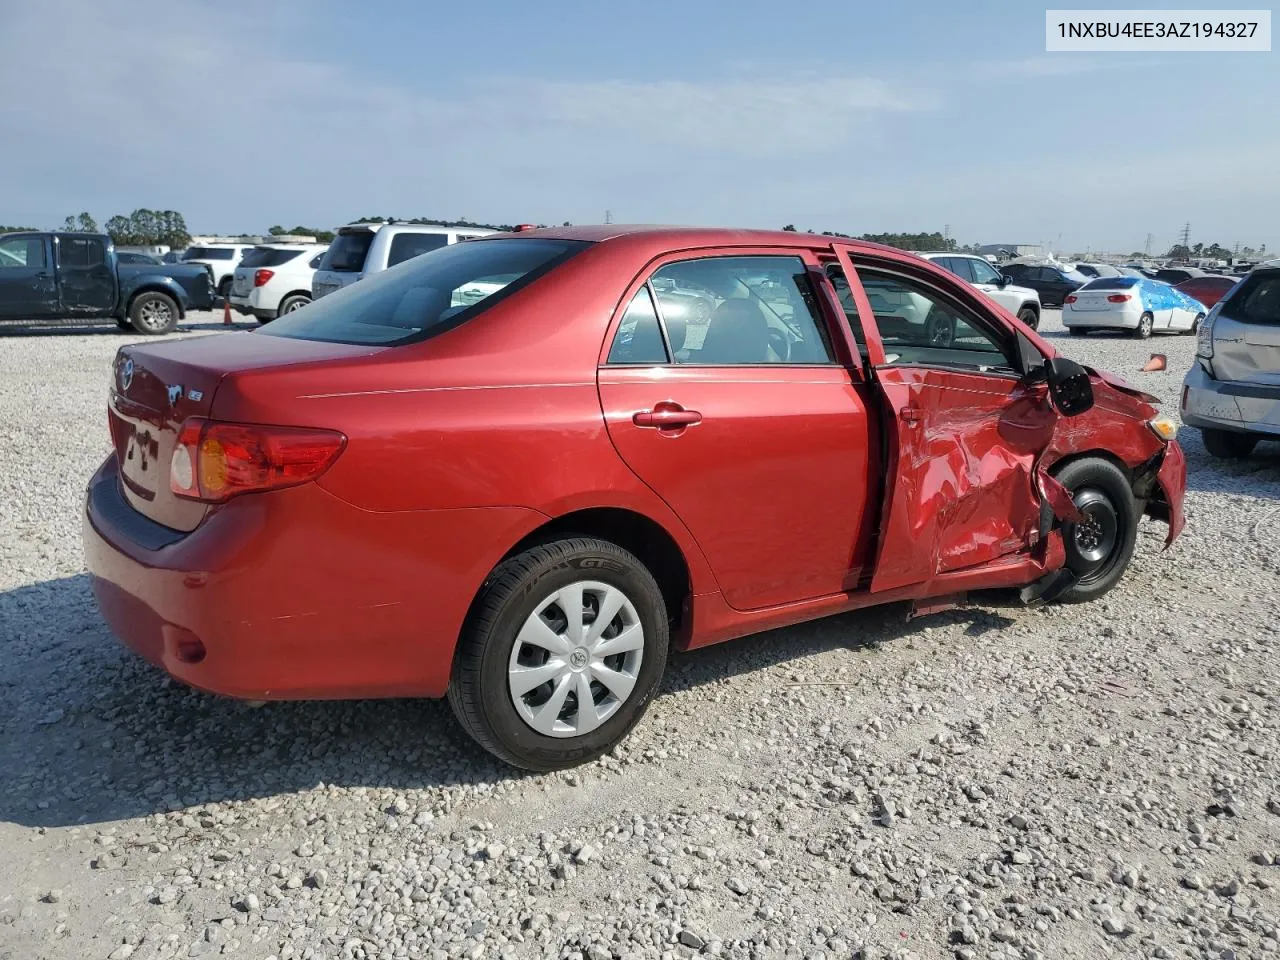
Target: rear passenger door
<point x="725" y="392"/>
<point x="967" y="428"/>
<point x="88" y="283"/>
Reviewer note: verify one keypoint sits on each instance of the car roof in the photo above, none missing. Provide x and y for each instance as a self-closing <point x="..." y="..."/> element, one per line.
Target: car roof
<point x="661" y="237"/>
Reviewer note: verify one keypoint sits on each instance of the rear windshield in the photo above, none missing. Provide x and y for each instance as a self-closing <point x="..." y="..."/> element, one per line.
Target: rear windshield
<point x="428" y="294"/>
<point x="347" y="252"/>
<point x="266" y="257"/>
<point x="209" y="253"/>
<point x="1110" y="283"/>
<point x="1256" y="300"/>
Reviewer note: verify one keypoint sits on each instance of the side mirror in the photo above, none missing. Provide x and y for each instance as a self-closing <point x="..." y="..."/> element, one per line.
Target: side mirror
<point x="1003" y="281"/>
<point x="1069" y="386"/>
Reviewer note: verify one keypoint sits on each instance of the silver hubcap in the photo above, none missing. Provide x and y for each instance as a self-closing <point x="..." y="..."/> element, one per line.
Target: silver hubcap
<point x="293" y="305"/>
<point x="154" y="313"/>
<point x="576" y="659"/>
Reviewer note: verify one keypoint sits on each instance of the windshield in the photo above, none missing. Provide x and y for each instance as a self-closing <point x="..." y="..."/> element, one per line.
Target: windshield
<point x="209" y="253"/>
<point x="347" y="252"/>
<point x="267" y="257"/>
<point x="426" y="295"/>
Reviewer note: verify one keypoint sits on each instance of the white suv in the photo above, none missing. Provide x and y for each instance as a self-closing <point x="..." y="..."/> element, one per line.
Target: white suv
<point x="221" y="258"/>
<point x="364" y="248"/>
<point x="1022" y="302"/>
<point x="275" y="278"/>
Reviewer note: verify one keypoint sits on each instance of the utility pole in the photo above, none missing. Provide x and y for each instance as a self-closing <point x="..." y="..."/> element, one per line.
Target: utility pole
<point x="608" y="216"/>
<point x="1186" y="237"/>
<point x="1147" y="249"/>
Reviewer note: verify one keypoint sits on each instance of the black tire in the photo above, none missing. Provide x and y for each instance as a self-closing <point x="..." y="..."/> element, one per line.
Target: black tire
<point x="1102" y="490"/>
<point x="939" y="328"/>
<point x="1029" y="317"/>
<point x="478" y="689"/>
<point x="1077" y="331"/>
<point x="153" y="313"/>
<point x="1145" y="324"/>
<point x="224" y="287"/>
<point x="1195" y="324"/>
<point x="295" y="301"/>
<point x="1228" y="444"/>
<point x="124" y="323"/>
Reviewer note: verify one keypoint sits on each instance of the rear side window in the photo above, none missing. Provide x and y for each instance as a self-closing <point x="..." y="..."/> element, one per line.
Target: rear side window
<point x="1255" y="301"/>
<point x="209" y="253"/>
<point x="427" y="295"/>
<point x="639" y="338"/>
<point x="406" y="246"/>
<point x="959" y="266"/>
<point x="267" y="257"/>
<point x="81" y="252"/>
<point x="347" y="252"/>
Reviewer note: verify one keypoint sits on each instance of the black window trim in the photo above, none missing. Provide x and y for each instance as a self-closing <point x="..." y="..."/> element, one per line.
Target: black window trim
<point x="1003" y="337"/>
<point x="821" y="321"/>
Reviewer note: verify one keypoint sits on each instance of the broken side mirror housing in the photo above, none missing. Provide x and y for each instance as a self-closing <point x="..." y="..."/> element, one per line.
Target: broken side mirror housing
<point x="1069" y="386"/>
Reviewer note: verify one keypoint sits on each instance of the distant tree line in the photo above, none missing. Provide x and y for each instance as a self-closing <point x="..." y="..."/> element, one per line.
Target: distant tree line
<point x="1213" y="251"/>
<point x="142" y="228"/>
<point x="322" y="236"/>
<point x="903" y="241"/>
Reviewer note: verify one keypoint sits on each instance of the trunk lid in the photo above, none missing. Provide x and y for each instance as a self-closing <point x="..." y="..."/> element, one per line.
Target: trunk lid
<point x="1087" y="300"/>
<point x="156" y="387"/>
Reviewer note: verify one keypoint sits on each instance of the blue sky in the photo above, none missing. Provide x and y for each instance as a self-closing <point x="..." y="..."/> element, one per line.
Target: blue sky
<point x="856" y="116"/>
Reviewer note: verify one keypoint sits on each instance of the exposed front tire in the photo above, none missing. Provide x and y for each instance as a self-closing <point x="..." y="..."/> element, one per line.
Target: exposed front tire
<point x="1100" y="547"/>
<point x="562" y="652"/>
<point x="153" y="313"/>
<point x="1228" y="444"/>
<point x="1029" y="317"/>
<point x="1145" y="324"/>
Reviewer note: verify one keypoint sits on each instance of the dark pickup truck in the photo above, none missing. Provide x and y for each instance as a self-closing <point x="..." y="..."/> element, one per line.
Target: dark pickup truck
<point x="76" y="276"/>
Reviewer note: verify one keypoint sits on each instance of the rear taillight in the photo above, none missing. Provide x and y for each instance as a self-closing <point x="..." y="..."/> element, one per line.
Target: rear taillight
<point x="262" y="277"/>
<point x="1070" y="298"/>
<point x="216" y="461"/>
<point x="1118" y="298"/>
<point x="1204" y="335"/>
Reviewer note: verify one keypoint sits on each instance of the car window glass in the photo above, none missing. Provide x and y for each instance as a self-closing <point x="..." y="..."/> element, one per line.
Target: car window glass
<point x="315" y="261"/>
<point x="1257" y="301"/>
<point x="960" y="267"/>
<point x="73" y="252"/>
<point x="406" y="246"/>
<point x="348" y="251"/>
<point x="836" y="275"/>
<point x="97" y="251"/>
<point x="18" y="252"/>
<point x="639" y="339"/>
<point x="920" y="326"/>
<point x="983" y="272"/>
<point x="732" y="311"/>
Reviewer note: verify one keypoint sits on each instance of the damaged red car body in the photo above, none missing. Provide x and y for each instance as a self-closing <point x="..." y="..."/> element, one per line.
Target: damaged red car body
<point x="517" y="471"/>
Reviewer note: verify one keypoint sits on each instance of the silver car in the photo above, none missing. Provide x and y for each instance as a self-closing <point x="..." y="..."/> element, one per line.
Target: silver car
<point x="1232" y="392"/>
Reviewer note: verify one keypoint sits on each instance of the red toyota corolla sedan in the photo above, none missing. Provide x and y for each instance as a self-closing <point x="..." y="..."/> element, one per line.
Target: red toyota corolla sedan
<point x="517" y="470"/>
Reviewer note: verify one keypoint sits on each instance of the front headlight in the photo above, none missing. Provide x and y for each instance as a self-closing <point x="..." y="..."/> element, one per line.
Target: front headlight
<point x="1163" y="427"/>
<point x="1204" y="336"/>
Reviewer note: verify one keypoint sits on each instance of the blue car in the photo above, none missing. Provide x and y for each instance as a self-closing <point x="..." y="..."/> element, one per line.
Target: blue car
<point x="1135" y="304"/>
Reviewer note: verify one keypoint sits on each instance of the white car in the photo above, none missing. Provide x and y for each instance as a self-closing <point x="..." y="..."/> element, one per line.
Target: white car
<point x="1022" y="302"/>
<point x="275" y="278"/>
<point x="1135" y="304"/>
<point x="361" y="249"/>
<point x="1232" y="392"/>
<point x="221" y="258"/>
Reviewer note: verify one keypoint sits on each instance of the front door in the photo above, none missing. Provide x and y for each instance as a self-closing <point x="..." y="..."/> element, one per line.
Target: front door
<point x="88" y="281"/>
<point x="722" y="392"/>
<point x="27" y="286"/>
<point x="968" y="427"/>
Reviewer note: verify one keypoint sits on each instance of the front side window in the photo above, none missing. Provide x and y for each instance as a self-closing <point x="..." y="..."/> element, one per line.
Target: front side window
<point x="639" y="338"/>
<point x="734" y="311"/>
<point x="406" y="246"/>
<point x="426" y="295"/>
<point x="983" y="272"/>
<point x="22" y="252"/>
<point x="921" y="327"/>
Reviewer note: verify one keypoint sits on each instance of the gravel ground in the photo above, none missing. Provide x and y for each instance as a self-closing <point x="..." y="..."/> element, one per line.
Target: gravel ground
<point x="1085" y="781"/>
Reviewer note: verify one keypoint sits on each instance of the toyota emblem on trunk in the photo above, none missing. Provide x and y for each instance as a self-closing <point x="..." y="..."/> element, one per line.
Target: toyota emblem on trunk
<point x="175" y="393"/>
<point x="126" y="373"/>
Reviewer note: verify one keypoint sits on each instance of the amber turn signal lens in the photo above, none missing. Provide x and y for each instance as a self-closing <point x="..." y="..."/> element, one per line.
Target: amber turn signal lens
<point x="1163" y="427"/>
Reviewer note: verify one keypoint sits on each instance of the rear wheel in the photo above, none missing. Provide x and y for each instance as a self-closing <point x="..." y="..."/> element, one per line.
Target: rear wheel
<point x="1195" y="324"/>
<point x="563" y="651"/>
<point x="1143" y="330"/>
<point x="1228" y="445"/>
<point x="224" y="288"/>
<point x="1100" y="546"/>
<point x="289" y="304"/>
<point x="940" y="328"/>
<point x="153" y="313"/>
<point x="1029" y="317"/>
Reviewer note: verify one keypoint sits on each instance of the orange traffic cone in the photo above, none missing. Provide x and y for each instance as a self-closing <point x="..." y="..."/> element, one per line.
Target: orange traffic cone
<point x="226" y="311"/>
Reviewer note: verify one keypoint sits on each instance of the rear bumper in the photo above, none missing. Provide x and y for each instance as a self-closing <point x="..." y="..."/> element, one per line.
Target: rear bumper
<point x="294" y="594"/>
<point x="1229" y="404"/>
<point x="253" y="304"/>
<point x="1100" y="319"/>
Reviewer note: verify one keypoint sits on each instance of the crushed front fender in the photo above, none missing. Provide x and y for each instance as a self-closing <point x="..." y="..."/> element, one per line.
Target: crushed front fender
<point x="1172" y="481"/>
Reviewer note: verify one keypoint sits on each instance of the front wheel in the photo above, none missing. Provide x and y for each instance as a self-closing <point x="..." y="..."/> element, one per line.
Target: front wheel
<point x="1100" y="546"/>
<point x="1228" y="444"/>
<point x="1029" y="317"/>
<point x="1195" y="324"/>
<point x="153" y="313"/>
<point x="1145" y="323"/>
<point x="940" y="328"/>
<point x="563" y="651"/>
